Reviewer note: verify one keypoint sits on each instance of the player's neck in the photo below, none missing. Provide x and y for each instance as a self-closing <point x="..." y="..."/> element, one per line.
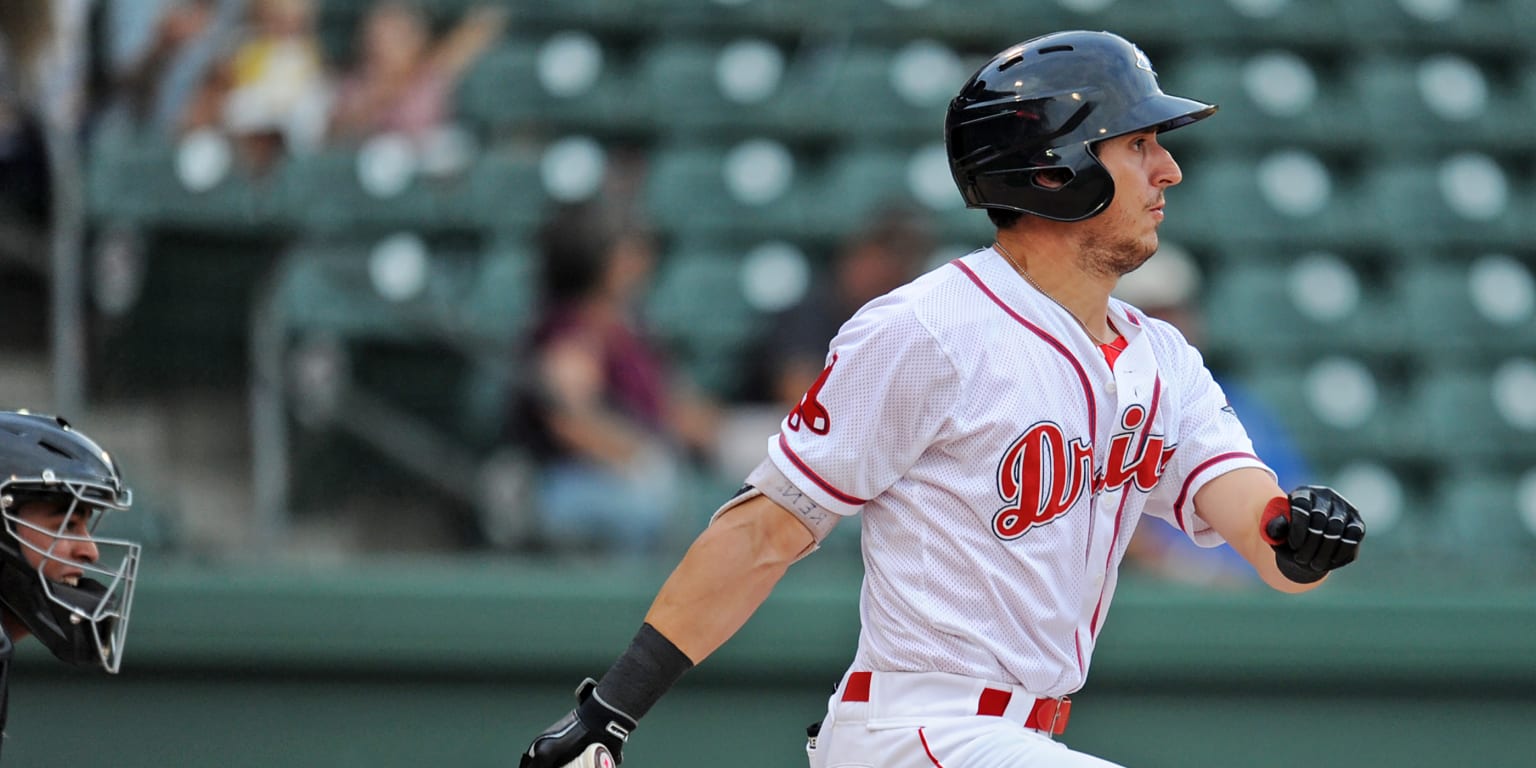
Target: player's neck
<point x="1053" y="269"/>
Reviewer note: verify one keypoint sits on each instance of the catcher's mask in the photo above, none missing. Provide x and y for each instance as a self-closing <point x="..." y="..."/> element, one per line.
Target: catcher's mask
<point x="69" y="588"/>
<point x="1041" y="105"/>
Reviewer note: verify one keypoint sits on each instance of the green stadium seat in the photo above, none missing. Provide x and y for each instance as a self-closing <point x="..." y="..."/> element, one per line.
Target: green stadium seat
<point x="697" y="308"/>
<point x="1481" y="520"/>
<point x="1460" y="199"/>
<point x="449" y="295"/>
<point x="1333" y="419"/>
<point x="1147" y="24"/>
<point x="134" y="179"/>
<point x="1486" y="24"/>
<point x="501" y="192"/>
<point x="713" y="87"/>
<point x="1267" y="96"/>
<point x="323" y="192"/>
<point x="565" y="81"/>
<point x="1470" y="414"/>
<point x="1479" y="310"/>
<point x="749" y="189"/>
<point x="1426" y="103"/>
<point x="1286" y="198"/>
<point x="1246" y="23"/>
<point x="876" y="94"/>
<point x="1266" y="307"/>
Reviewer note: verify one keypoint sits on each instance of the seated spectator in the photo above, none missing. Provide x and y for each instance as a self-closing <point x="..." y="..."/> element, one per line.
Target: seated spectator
<point x="403" y="81"/>
<point x="605" y="417"/>
<point x="159" y="55"/>
<point x="272" y="92"/>
<point x="885" y="253"/>
<point x="1167" y="288"/>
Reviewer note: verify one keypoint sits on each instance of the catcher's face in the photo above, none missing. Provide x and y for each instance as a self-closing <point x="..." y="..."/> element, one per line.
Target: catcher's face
<point x="56" y="540"/>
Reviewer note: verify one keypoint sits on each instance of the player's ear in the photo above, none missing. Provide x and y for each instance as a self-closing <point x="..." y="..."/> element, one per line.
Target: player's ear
<point x="1051" y="178"/>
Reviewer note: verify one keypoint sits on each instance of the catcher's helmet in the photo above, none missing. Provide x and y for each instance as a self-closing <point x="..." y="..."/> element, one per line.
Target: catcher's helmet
<point x="1041" y="105"/>
<point x="83" y="619"/>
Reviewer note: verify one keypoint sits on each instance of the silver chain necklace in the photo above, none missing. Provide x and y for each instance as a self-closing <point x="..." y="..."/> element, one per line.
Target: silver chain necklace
<point x="1028" y="279"/>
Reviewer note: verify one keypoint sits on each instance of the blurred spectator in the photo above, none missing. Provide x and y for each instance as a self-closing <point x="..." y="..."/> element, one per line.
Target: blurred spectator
<point x="606" y="420"/>
<point x="885" y="253"/>
<point x="402" y="80"/>
<point x="272" y="92"/>
<point x="25" y="182"/>
<point x="160" y="52"/>
<point x="1167" y="287"/>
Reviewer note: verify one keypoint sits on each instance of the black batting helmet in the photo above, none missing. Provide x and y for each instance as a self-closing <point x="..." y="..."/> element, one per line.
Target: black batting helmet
<point x="1040" y="105"/>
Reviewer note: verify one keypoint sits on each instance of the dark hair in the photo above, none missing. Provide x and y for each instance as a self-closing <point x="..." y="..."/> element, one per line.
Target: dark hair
<point x="1002" y="218"/>
<point x="903" y="231"/>
<point x="575" y="243"/>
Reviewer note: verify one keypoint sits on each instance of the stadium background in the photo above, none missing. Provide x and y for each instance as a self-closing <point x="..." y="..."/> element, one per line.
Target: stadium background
<point x="303" y="374"/>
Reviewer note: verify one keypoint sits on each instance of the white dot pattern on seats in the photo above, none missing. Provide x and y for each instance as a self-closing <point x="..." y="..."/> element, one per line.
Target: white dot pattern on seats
<point x="569" y="63"/>
<point x="1375" y="491"/>
<point x="1514" y="381"/>
<point x="1294" y="182"/>
<point x="1502" y="290"/>
<point x="1341" y="391"/>
<point x="1453" y="87"/>
<point x="1280" y="83"/>
<point x="1323" y="287"/>
<point x="749" y="70"/>
<point x="1474" y="186"/>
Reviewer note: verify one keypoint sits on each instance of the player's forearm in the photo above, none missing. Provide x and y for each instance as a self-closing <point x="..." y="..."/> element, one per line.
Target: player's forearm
<point x="726" y="575"/>
<point x="1233" y="504"/>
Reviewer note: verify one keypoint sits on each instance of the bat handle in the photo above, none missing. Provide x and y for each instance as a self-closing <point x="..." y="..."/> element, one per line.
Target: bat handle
<point x="1276" y="521"/>
<point x="595" y="756"/>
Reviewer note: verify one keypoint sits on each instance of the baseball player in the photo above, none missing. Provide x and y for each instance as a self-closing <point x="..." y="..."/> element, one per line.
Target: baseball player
<point x="58" y="582"/>
<point x="999" y="425"/>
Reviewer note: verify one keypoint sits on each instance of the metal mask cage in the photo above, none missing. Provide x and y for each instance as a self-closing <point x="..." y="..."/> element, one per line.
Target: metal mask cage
<point x="116" y="566"/>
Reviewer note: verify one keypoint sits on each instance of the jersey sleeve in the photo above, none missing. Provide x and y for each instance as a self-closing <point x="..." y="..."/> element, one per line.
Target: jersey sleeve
<point x="1212" y="442"/>
<point x="884" y="397"/>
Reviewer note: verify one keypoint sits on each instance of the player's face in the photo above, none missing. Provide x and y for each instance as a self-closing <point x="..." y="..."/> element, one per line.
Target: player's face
<point x="1125" y="235"/>
<point x="59" y="564"/>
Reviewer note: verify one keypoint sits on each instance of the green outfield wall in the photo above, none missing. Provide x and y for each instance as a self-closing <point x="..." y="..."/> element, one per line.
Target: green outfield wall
<point x="458" y="662"/>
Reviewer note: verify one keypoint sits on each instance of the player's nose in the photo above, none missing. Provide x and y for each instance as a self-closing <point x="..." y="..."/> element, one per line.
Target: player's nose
<point x="84" y="551"/>
<point x="1166" y="170"/>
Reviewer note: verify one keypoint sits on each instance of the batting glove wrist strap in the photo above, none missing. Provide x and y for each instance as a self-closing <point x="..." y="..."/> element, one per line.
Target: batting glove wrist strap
<point x="643" y="673"/>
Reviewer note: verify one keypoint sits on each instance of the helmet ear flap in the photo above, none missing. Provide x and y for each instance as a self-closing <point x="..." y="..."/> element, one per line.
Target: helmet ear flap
<point x="1077" y="189"/>
<point x="1089" y="191"/>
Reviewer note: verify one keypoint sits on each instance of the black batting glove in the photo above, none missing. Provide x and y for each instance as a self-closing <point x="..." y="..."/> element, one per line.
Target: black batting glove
<point x="591" y="722"/>
<point x="1313" y="531"/>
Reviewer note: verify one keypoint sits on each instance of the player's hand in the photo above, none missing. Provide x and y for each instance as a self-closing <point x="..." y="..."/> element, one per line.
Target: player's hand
<point x="1313" y="531"/>
<point x="591" y="722"/>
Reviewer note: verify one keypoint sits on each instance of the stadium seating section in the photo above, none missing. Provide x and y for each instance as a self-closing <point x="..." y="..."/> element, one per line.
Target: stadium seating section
<point x="1363" y="206"/>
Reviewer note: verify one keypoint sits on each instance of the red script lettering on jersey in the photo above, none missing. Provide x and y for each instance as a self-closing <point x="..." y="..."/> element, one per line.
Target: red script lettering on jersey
<point x="1041" y="476"/>
<point x="1145" y="467"/>
<point x="810" y="411"/>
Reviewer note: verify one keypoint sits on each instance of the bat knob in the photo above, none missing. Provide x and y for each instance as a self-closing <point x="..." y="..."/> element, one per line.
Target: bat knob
<point x="595" y="756"/>
<point x="1276" y="523"/>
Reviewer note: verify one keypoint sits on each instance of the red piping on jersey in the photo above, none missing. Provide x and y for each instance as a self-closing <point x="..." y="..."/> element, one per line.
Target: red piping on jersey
<point x="808" y="472"/>
<point x="1082" y="375"/>
<point x="1125" y="494"/>
<point x="1178" y="504"/>
<point x="921" y="737"/>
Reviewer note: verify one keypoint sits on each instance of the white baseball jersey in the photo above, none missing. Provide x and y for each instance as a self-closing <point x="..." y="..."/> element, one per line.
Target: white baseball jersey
<point x="1000" y="467"/>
